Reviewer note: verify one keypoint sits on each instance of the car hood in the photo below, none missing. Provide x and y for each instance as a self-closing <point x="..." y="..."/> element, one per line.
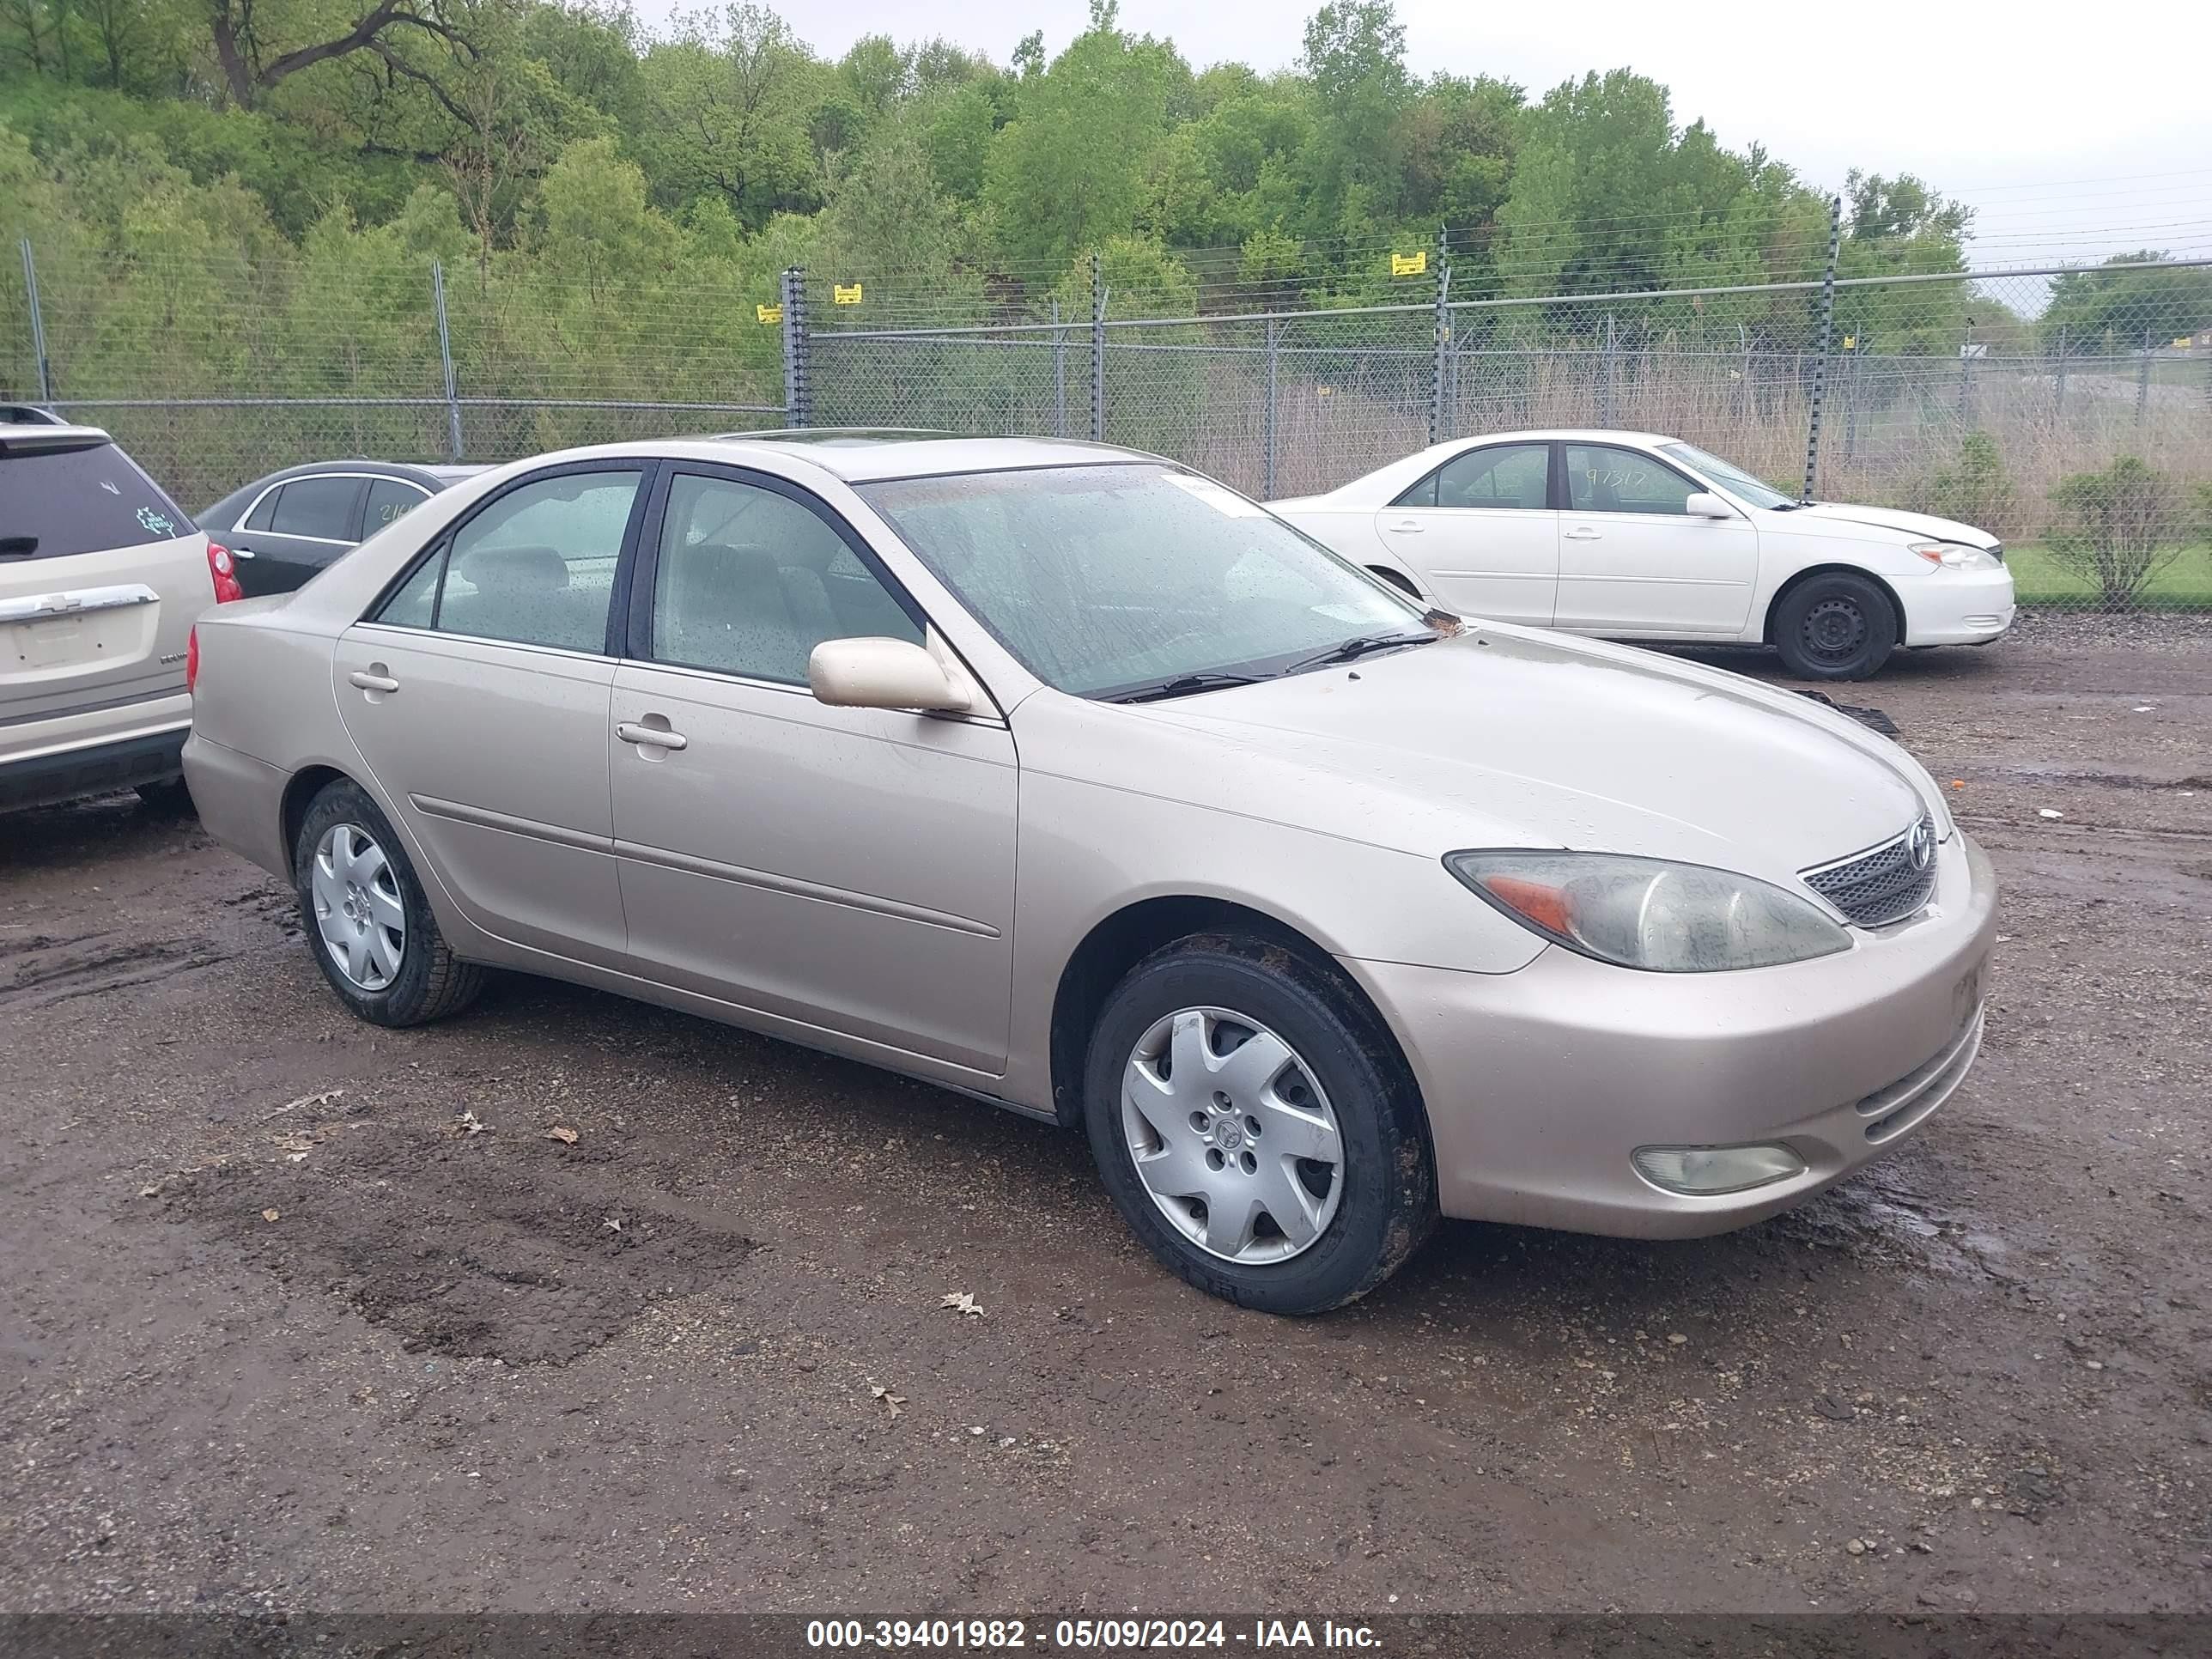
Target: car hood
<point x="1923" y="525"/>
<point x="1507" y="738"/>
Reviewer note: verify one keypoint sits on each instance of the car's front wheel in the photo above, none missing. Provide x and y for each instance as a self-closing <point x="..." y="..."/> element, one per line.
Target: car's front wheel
<point x="1835" y="626"/>
<point x="1255" y="1128"/>
<point x="365" y="916"/>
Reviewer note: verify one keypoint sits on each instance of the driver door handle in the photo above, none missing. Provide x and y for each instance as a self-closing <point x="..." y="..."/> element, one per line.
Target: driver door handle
<point x="652" y="737"/>
<point x="1582" y="533"/>
<point x="372" y="682"/>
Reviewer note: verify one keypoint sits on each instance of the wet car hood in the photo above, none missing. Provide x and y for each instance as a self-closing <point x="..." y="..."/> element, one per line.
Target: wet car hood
<point x="1923" y="525"/>
<point x="1509" y="737"/>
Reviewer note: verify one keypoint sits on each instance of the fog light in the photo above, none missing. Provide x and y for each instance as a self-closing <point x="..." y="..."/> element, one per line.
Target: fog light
<point x="1703" y="1171"/>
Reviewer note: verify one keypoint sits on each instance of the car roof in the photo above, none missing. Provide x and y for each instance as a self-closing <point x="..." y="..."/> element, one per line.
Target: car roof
<point x="1566" y="433"/>
<point x="861" y="454"/>
<point x="443" y="474"/>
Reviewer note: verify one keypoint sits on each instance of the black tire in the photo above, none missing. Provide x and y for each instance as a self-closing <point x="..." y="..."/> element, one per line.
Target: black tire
<point x="431" y="982"/>
<point x="1388" y="1202"/>
<point x="1835" y="626"/>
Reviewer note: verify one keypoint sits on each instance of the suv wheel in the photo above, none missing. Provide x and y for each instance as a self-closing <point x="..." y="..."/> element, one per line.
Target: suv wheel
<point x="364" y="916"/>
<point x="1254" y="1130"/>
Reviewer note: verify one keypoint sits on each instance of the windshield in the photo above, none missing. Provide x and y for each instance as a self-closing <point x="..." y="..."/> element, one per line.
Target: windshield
<point x="1732" y="477"/>
<point x="1102" y="579"/>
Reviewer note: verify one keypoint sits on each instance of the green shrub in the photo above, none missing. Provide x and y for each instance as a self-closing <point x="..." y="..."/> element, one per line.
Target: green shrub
<point x="1976" y="488"/>
<point x="2117" y="528"/>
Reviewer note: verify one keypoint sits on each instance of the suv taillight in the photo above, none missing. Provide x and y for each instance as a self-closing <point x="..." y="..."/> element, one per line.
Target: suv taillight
<point x="224" y="569"/>
<point x="192" y="657"/>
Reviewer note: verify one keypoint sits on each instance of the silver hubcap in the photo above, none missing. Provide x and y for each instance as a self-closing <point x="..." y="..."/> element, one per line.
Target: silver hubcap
<point x="357" y="906"/>
<point x="1231" y="1136"/>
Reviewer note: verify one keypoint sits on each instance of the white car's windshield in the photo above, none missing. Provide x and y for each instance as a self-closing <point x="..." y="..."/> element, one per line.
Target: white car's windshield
<point x="1734" y="477"/>
<point x="1139" y="580"/>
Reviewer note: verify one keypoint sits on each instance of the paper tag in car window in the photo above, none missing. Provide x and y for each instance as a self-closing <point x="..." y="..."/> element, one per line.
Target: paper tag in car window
<point x="1227" y="502"/>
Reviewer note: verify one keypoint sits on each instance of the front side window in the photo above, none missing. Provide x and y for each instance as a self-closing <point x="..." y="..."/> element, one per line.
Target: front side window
<point x="1101" y="579"/>
<point x="86" y="499"/>
<point x="321" y="509"/>
<point x="748" y="581"/>
<point x="535" y="566"/>
<point x="1603" y="479"/>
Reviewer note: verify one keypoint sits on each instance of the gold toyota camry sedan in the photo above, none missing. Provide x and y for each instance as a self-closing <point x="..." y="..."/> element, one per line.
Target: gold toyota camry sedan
<point x="1069" y="779"/>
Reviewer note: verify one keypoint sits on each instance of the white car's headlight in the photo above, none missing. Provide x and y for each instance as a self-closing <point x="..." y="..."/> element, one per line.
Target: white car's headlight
<point x="1648" y="913"/>
<point x="1956" y="555"/>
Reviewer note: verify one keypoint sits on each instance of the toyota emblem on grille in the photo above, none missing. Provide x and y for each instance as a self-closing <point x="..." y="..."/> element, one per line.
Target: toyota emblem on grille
<point x="1920" y="845"/>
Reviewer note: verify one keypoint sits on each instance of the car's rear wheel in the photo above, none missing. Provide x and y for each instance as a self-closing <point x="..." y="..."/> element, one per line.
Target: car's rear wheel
<point x="1835" y="626"/>
<point x="1255" y="1128"/>
<point x="365" y="916"/>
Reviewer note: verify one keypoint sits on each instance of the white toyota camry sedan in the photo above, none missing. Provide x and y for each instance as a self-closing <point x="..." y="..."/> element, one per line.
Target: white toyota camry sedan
<point x="1633" y="536"/>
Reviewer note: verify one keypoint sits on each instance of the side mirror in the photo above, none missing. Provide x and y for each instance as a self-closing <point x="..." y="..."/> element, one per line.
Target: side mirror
<point x="880" y="673"/>
<point x="1703" y="504"/>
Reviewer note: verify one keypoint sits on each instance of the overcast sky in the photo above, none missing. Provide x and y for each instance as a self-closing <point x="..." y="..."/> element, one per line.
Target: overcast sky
<point x="2085" y="135"/>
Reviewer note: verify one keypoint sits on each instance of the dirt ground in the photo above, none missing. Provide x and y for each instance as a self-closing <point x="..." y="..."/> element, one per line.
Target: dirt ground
<point x="279" y="1330"/>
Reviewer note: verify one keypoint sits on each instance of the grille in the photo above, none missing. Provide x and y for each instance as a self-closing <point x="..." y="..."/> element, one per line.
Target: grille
<point x="1883" y="885"/>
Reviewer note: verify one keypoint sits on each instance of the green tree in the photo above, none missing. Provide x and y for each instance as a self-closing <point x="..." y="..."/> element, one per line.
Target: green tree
<point x="2105" y="311"/>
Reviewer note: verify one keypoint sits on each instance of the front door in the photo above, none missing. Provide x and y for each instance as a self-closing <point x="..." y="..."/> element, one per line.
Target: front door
<point x="847" y="869"/>
<point x="1481" y="531"/>
<point x="1635" y="561"/>
<point x="478" y="694"/>
<point x="294" y="530"/>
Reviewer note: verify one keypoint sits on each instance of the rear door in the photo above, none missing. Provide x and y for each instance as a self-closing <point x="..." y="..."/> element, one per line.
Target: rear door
<point x="1481" y="531"/>
<point x="479" y="692"/>
<point x="101" y="576"/>
<point x="296" y="528"/>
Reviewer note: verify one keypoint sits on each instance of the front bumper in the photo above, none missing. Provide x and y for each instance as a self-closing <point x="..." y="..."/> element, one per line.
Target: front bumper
<point x="1540" y="1083"/>
<point x="1958" y="607"/>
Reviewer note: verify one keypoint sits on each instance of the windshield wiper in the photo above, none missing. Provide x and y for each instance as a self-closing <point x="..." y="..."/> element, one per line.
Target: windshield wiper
<point x="1787" y="506"/>
<point x="1352" y="649"/>
<point x="1181" y="686"/>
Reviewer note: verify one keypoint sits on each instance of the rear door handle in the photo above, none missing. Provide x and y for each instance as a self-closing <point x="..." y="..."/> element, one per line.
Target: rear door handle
<point x="1405" y="527"/>
<point x="238" y="552"/>
<point x="652" y="737"/>
<point x="368" y="680"/>
<point x="1582" y="533"/>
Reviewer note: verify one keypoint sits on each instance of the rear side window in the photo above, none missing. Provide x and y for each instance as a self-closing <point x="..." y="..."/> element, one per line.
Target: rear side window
<point x="319" y="508"/>
<point x="58" y="502"/>
<point x="389" y="500"/>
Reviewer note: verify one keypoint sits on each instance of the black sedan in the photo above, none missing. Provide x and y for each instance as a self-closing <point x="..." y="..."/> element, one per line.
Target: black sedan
<point x="285" y="527"/>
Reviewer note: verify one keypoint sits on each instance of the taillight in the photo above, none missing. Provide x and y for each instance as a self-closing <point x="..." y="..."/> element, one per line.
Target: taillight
<point x="224" y="569"/>
<point x="192" y="657"/>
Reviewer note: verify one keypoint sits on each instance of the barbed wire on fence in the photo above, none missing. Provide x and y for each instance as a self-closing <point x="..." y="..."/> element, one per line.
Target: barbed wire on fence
<point x="2064" y="408"/>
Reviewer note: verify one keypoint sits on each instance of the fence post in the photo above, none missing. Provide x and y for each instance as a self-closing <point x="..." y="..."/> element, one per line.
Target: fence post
<point x="1605" y="382"/>
<point x="37" y="327"/>
<point x="1267" y="439"/>
<point x="2058" y="393"/>
<point x="1437" y="430"/>
<point x="1097" y="349"/>
<point x="798" y="393"/>
<point x="2143" y="381"/>
<point x="1827" y="335"/>
<point x="445" y="359"/>
<point x="1058" y="372"/>
<point x="1966" y="378"/>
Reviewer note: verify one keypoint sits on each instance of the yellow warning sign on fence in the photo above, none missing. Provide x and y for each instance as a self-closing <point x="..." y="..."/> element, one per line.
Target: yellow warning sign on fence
<point x="844" y="295"/>
<point x="1851" y="342"/>
<point x="1409" y="264"/>
<point x="768" y="313"/>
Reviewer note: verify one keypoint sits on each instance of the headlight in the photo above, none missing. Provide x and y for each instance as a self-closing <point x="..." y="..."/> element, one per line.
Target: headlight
<point x="1956" y="555"/>
<point x="1648" y="913"/>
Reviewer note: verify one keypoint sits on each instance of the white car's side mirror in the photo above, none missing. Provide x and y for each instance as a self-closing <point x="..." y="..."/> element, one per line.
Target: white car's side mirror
<point x="881" y="673"/>
<point x="1703" y="504"/>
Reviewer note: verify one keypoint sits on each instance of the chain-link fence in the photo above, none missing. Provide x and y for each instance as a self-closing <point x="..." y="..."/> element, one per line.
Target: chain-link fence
<point x="213" y="373"/>
<point x="2068" y="412"/>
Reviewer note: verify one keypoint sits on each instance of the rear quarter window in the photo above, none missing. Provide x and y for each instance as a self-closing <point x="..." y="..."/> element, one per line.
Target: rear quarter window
<point x="58" y="502"/>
